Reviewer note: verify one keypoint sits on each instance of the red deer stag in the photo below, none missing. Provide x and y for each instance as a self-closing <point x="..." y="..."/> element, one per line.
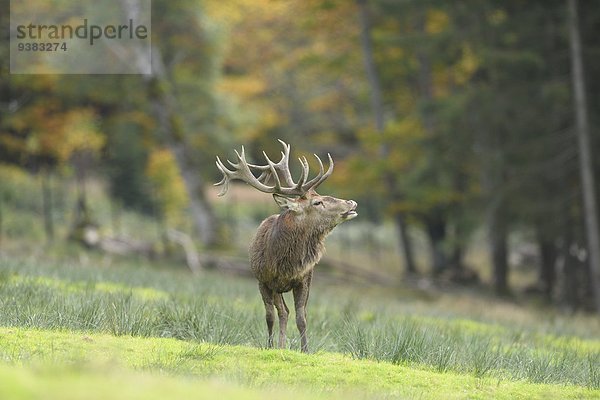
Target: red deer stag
<point x="287" y="246"/>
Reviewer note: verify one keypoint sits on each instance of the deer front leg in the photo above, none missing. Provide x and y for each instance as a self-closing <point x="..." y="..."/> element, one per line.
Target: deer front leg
<point x="300" y="299"/>
<point x="283" y="312"/>
<point x="267" y="296"/>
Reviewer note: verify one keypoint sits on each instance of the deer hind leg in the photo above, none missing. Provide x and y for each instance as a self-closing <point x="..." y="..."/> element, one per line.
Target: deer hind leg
<point x="300" y="299"/>
<point x="283" y="312"/>
<point x="267" y="296"/>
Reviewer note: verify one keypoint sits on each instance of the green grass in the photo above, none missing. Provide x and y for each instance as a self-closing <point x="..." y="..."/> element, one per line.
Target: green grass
<point x="98" y="384"/>
<point x="181" y="367"/>
<point x="128" y="299"/>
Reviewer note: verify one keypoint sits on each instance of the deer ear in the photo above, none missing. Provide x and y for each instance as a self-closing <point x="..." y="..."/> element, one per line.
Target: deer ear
<point x="286" y="203"/>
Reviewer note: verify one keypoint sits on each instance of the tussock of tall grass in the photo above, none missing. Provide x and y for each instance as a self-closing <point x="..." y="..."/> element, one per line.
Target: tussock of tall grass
<point x="444" y="348"/>
<point x="154" y="303"/>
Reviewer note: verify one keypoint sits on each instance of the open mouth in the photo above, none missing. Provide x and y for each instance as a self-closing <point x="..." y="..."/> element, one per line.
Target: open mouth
<point x="350" y="213"/>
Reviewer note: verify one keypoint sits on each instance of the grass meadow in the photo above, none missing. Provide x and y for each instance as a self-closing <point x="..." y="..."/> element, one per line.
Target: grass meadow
<point x="98" y="327"/>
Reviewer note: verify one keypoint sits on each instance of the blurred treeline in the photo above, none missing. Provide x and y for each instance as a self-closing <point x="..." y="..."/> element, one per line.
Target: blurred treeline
<point x="444" y="117"/>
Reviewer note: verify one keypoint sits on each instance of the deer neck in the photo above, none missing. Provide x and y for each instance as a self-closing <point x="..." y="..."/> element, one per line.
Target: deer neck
<point x="305" y="238"/>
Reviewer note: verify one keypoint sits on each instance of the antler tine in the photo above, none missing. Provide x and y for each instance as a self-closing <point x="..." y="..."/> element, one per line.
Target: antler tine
<point x="242" y="172"/>
<point x="304" y="173"/>
<point x="281" y="166"/>
<point x="266" y="172"/>
<point x="314" y="180"/>
<point x="272" y="167"/>
<point x="285" y="161"/>
<point x="265" y="176"/>
<point x="284" y="164"/>
<point x="321" y="176"/>
<point x="225" y="180"/>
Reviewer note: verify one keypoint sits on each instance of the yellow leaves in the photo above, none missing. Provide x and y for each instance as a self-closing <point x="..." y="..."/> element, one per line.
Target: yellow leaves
<point x="225" y="12"/>
<point x="232" y="12"/>
<point x="18" y="187"/>
<point x="466" y="66"/>
<point x="283" y="59"/>
<point x="140" y="118"/>
<point x="327" y="101"/>
<point x="357" y="175"/>
<point x="446" y="77"/>
<point x="47" y="131"/>
<point x="497" y="17"/>
<point x="167" y="183"/>
<point x="244" y="87"/>
<point x="394" y="53"/>
<point x="427" y="197"/>
<point x="394" y="152"/>
<point x="14" y="176"/>
<point x="269" y="119"/>
<point x="436" y="21"/>
<point x="400" y="137"/>
<point x="79" y="133"/>
<point x="442" y="80"/>
<point x="400" y="153"/>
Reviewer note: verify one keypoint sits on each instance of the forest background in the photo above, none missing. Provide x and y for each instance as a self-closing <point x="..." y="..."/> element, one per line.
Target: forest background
<point x="466" y="131"/>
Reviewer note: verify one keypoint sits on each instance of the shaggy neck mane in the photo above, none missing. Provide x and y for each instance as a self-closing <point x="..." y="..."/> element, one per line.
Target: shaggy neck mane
<point x="297" y="242"/>
<point x="288" y="224"/>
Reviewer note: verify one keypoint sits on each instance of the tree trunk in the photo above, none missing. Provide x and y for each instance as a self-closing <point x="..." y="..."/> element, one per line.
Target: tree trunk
<point x="379" y="115"/>
<point x="47" y="206"/>
<point x="569" y="292"/>
<point x="425" y="81"/>
<point x="498" y="241"/>
<point x="459" y="227"/>
<point x="202" y="212"/>
<point x="566" y="264"/>
<point x="80" y="163"/>
<point x="170" y="122"/>
<point x="406" y="244"/>
<point x="115" y="217"/>
<point x="547" y="267"/>
<point x="497" y="222"/>
<point x="164" y="105"/>
<point x="1" y="221"/>
<point x="585" y="156"/>
<point x="456" y="257"/>
<point x="435" y="220"/>
<point x="83" y="218"/>
<point x="436" y="232"/>
<point x="457" y="250"/>
<point x="370" y="69"/>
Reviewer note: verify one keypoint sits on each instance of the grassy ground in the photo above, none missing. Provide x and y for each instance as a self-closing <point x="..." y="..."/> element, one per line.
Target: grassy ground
<point x="94" y="318"/>
<point x="248" y="371"/>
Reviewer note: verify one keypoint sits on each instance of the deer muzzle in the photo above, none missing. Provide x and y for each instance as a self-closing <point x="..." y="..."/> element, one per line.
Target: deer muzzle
<point x="351" y="213"/>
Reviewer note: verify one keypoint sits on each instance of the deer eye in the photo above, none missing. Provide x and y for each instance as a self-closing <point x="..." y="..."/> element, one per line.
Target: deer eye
<point x="317" y="203"/>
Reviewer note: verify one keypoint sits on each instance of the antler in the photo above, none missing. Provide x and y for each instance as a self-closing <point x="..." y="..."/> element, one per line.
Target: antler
<point x="276" y="172"/>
